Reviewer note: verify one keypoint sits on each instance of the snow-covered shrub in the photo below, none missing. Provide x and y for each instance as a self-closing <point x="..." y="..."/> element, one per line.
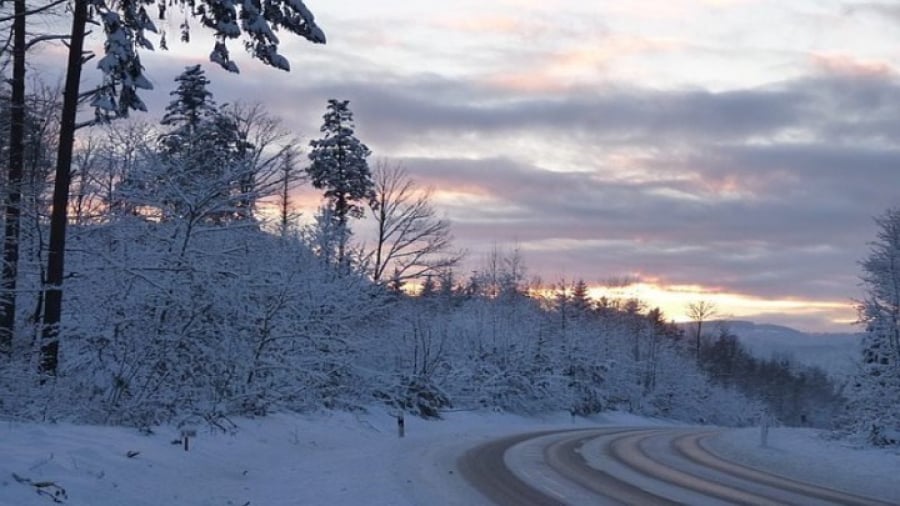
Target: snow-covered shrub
<point x="236" y="322"/>
<point x="417" y="395"/>
<point x="585" y="382"/>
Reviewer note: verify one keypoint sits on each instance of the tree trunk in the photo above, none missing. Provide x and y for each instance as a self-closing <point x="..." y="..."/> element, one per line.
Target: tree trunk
<point x="699" y="326"/>
<point x="14" y="183"/>
<point x="340" y="207"/>
<point x="53" y="290"/>
<point x="381" y="241"/>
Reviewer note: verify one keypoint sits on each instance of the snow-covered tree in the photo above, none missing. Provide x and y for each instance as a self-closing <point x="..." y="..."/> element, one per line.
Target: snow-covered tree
<point x="125" y="24"/>
<point x="272" y="161"/>
<point x="338" y="165"/>
<point x="211" y="163"/>
<point x="30" y="160"/>
<point x="323" y="235"/>
<point x="875" y="390"/>
<point x="15" y="132"/>
<point x="192" y="106"/>
<point x="204" y="157"/>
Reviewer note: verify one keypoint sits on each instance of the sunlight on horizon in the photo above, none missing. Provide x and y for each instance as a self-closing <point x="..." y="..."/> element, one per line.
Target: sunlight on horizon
<point x="674" y="299"/>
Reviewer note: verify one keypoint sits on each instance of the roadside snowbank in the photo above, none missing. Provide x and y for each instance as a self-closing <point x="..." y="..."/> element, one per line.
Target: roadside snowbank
<point x="805" y="455"/>
<point x="331" y="458"/>
<point x="323" y="459"/>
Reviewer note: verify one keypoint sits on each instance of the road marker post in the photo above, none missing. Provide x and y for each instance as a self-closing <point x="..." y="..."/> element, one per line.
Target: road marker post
<point x="186" y="434"/>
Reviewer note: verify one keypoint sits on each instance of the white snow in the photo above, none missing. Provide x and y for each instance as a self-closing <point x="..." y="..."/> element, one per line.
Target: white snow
<point x="344" y="459"/>
<point x="806" y="455"/>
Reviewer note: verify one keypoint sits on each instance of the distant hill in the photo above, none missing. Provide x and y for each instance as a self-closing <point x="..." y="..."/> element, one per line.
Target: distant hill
<point x="837" y="353"/>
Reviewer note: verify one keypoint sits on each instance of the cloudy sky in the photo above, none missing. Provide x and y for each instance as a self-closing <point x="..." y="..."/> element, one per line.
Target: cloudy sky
<point x="733" y="151"/>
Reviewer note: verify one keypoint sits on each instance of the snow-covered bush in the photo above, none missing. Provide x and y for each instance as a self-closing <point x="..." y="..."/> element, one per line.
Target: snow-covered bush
<point x="417" y="395"/>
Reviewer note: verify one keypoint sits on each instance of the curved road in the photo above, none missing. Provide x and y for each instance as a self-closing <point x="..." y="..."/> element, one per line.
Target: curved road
<point x="639" y="466"/>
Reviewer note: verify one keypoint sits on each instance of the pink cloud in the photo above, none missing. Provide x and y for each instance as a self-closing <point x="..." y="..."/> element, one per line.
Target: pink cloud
<point x="844" y="65"/>
<point x="561" y="69"/>
<point x="484" y="24"/>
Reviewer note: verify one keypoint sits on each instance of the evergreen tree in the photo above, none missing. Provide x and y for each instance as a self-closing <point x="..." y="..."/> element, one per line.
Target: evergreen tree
<point x="429" y="287"/>
<point x="396" y="284"/>
<point x="581" y="299"/>
<point x="875" y="392"/>
<point x="193" y="103"/>
<point x="322" y="235"/>
<point x="339" y="167"/>
<point x="203" y="160"/>
<point x="446" y="285"/>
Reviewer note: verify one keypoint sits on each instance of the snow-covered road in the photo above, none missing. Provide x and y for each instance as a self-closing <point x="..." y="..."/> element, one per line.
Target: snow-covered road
<point x="349" y="459"/>
<point x="631" y="466"/>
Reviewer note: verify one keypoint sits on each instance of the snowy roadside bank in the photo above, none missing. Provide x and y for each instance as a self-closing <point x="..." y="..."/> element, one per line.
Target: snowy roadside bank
<point x="804" y="455"/>
<point x="329" y="459"/>
<point x="325" y="459"/>
<point x="286" y="459"/>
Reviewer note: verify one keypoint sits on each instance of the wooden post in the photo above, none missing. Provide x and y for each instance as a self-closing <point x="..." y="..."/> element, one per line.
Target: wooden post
<point x="186" y="435"/>
<point x="401" y="425"/>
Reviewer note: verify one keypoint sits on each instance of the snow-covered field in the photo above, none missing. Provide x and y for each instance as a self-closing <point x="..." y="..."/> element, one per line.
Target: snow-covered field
<point x="343" y="459"/>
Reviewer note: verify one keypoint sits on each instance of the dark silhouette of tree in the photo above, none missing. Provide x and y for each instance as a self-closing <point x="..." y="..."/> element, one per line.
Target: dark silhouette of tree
<point x="14" y="182"/>
<point x="700" y="312"/>
<point x="410" y="236"/>
<point x="13" y="211"/>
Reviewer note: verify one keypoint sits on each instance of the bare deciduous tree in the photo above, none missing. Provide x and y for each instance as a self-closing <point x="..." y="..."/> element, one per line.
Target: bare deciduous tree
<point x="19" y="44"/>
<point x="411" y="240"/>
<point x="700" y="312"/>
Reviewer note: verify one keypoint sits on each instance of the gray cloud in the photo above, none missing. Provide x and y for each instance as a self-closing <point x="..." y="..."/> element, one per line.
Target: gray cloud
<point x="767" y="191"/>
<point x="888" y="10"/>
<point x="802" y="237"/>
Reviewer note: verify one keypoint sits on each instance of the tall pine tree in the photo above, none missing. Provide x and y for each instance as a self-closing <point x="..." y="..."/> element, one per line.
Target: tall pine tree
<point x="875" y="392"/>
<point x="339" y="167"/>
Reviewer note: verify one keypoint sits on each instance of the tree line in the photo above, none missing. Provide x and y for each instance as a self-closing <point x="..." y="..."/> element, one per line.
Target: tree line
<point x="182" y="300"/>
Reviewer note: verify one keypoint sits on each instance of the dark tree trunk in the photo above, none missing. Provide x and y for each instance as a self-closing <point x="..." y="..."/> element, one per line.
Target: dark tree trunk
<point x="53" y="290"/>
<point x="340" y="206"/>
<point x="699" y="326"/>
<point x="14" y="183"/>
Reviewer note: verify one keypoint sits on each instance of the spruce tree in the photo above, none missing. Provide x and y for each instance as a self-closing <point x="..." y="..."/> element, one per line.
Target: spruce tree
<point x="202" y="160"/>
<point x="199" y="151"/>
<point x="875" y="391"/>
<point x="193" y="103"/>
<point x="581" y="299"/>
<point x="339" y="167"/>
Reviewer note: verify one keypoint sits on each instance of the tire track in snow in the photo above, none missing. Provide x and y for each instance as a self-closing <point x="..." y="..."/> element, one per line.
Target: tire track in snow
<point x="626" y="465"/>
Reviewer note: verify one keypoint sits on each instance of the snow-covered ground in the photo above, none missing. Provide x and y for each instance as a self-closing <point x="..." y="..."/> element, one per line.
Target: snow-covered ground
<point x="803" y="454"/>
<point x="343" y="459"/>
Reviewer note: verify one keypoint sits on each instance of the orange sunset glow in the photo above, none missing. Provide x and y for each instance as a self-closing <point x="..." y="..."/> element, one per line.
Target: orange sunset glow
<point x="674" y="299"/>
